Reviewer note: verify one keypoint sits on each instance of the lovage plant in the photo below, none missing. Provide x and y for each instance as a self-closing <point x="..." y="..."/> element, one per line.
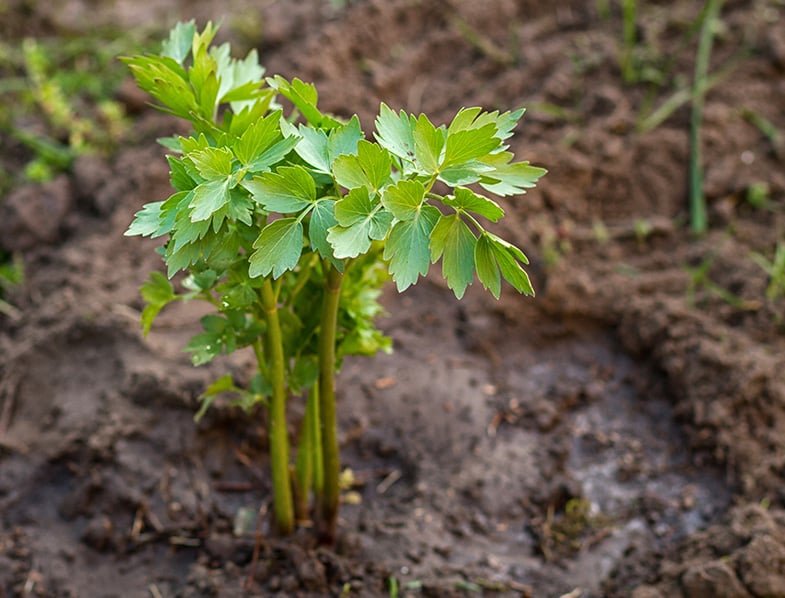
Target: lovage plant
<point x="288" y="224"/>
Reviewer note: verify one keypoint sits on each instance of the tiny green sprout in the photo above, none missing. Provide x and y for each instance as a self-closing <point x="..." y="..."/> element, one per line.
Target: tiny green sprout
<point x="289" y="224"/>
<point x="775" y="269"/>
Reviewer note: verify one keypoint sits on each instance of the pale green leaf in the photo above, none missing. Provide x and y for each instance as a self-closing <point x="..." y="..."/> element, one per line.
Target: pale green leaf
<point x="370" y="167"/>
<point x="289" y="189"/>
<point x="407" y="248"/>
<point x="343" y="139"/>
<point x="146" y="221"/>
<point x="466" y="199"/>
<point x="212" y="162"/>
<point x="178" y="46"/>
<point x="278" y="248"/>
<point x="394" y="132"/>
<point x="208" y="198"/>
<point x="312" y="148"/>
<point x="404" y="199"/>
<point x="428" y="144"/>
<point x="350" y="241"/>
<point x="257" y="138"/>
<point x="509" y="178"/>
<point x="354" y="207"/>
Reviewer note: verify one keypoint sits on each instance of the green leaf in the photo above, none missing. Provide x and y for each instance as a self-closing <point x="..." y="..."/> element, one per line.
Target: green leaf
<point x="404" y="199"/>
<point x="487" y="269"/>
<point x="289" y="189"/>
<point x="305" y="97"/>
<point x="274" y="154"/>
<point x="407" y="248"/>
<point x="454" y="242"/>
<point x="178" y="46"/>
<point x="466" y="145"/>
<point x="178" y="174"/>
<point x="278" y="248"/>
<point x="343" y="139"/>
<point x="464" y="174"/>
<point x="360" y="219"/>
<point x="351" y="241"/>
<point x="222" y="385"/>
<point x="428" y="144"/>
<point x="369" y="168"/>
<point x="354" y="207"/>
<point x="509" y="178"/>
<point x="466" y="199"/>
<point x="212" y="162"/>
<point x="493" y="254"/>
<point x="208" y="198"/>
<point x="312" y="148"/>
<point x="257" y="138"/>
<point x="146" y="221"/>
<point x="322" y="218"/>
<point x="394" y="132"/>
<point x="157" y="292"/>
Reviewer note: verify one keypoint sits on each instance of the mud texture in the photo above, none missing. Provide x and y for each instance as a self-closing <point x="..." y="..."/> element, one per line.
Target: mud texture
<point x="623" y="434"/>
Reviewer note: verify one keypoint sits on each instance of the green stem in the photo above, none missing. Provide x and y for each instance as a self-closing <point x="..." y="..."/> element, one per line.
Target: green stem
<point x="305" y="462"/>
<point x="330" y="494"/>
<point x="279" y="438"/>
<point x="697" y="199"/>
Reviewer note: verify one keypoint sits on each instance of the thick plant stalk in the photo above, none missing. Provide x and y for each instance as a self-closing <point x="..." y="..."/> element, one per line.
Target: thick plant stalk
<point x="697" y="199"/>
<point x="329" y="497"/>
<point x="279" y="438"/>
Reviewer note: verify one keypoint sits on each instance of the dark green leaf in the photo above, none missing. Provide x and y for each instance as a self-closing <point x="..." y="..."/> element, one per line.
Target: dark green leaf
<point x="466" y="145"/>
<point x="454" y="242"/>
<point x="487" y="269"/>
<point x="322" y="218"/>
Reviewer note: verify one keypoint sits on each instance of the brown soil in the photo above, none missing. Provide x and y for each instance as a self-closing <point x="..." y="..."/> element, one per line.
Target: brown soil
<point x="622" y="434"/>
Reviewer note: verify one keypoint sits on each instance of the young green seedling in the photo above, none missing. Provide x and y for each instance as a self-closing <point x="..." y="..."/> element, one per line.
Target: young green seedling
<point x="289" y="225"/>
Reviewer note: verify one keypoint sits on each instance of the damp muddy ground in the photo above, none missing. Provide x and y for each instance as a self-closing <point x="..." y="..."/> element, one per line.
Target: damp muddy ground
<point x="622" y="434"/>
